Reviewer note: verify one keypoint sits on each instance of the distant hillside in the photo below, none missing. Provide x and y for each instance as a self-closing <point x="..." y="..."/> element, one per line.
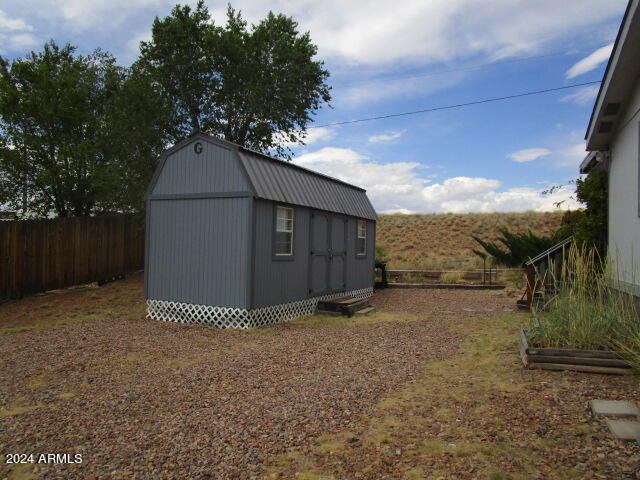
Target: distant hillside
<point x="442" y="240"/>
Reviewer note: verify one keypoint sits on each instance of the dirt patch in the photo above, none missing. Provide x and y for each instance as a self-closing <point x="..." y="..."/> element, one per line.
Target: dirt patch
<point x="73" y="305"/>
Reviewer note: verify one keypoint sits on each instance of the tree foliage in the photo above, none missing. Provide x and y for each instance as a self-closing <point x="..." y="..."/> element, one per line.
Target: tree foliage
<point x="80" y="135"/>
<point x="515" y="248"/>
<point x="75" y="135"/>
<point x="590" y="225"/>
<point x="257" y="86"/>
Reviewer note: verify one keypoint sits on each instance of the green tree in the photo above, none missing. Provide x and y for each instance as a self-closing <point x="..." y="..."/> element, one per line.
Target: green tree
<point x="518" y="247"/>
<point x="256" y="86"/>
<point x="589" y="225"/>
<point x="76" y="133"/>
<point x="138" y="128"/>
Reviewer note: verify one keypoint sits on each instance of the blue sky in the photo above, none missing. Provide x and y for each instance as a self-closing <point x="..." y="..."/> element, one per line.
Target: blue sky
<point x="395" y="56"/>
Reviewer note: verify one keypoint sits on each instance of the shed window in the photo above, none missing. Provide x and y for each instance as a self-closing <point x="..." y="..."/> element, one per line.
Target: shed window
<point x="361" y="245"/>
<point x="284" y="231"/>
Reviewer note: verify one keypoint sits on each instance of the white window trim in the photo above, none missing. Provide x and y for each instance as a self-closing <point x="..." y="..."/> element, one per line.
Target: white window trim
<point x="358" y="237"/>
<point x="278" y="230"/>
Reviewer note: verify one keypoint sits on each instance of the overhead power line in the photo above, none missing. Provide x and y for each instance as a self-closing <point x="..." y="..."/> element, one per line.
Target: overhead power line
<point x="457" y="105"/>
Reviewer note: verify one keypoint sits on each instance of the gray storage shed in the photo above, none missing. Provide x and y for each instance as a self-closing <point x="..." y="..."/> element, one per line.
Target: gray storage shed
<point x="235" y="238"/>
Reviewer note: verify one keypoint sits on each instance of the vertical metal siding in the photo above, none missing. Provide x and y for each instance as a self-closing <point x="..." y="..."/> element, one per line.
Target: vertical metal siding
<point x="277" y="281"/>
<point x="216" y="169"/>
<point x="198" y="251"/>
<point x="360" y="270"/>
<point x="288" y="281"/>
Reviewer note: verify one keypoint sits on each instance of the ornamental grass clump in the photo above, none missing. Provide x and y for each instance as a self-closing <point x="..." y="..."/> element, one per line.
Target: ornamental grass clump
<point x="587" y="313"/>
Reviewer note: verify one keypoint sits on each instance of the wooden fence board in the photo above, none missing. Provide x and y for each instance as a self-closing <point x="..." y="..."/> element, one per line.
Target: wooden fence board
<point x="39" y="255"/>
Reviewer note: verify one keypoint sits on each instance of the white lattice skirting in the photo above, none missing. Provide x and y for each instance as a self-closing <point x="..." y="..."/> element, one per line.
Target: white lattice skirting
<point x="230" y="317"/>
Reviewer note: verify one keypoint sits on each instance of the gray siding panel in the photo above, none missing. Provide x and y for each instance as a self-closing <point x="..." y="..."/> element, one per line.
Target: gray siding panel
<point x="281" y="181"/>
<point x="198" y="251"/>
<point x="360" y="270"/>
<point x="216" y="169"/>
<point x="278" y="281"/>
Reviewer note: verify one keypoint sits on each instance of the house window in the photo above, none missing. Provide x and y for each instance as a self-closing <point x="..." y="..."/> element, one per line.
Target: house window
<point x="361" y="245"/>
<point x="284" y="232"/>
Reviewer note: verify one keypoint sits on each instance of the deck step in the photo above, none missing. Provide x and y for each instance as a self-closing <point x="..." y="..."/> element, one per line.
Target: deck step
<point x="344" y="305"/>
<point x="365" y="311"/>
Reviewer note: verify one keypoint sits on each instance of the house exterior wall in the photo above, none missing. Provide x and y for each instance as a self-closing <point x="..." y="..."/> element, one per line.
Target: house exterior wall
<point x="624" y="200"/>
<point x="198" y="251"/>
<point x="215" y="169"/>
<point x="283" y="281"/>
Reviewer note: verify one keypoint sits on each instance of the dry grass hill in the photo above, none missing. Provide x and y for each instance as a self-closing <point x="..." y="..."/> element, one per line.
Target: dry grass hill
<point x="442" y="240"/>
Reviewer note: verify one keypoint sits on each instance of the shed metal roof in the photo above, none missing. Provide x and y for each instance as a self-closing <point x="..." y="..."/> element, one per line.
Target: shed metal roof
<point x="282" y="181"/>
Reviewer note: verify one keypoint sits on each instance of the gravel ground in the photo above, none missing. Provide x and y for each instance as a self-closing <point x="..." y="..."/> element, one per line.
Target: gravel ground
<point x="444" y="302"/>
<point x="388" y="396"/>
<point x="141" y="398"/>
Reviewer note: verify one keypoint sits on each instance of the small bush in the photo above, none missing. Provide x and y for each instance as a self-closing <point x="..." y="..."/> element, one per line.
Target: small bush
<point x="452" y="277"/>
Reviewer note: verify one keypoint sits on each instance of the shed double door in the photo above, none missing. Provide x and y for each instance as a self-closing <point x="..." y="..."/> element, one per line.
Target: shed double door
<point x="328" y="254"/>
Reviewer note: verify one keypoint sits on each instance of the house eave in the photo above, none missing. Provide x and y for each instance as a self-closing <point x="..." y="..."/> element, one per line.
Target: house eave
<point x="618" y="82"/>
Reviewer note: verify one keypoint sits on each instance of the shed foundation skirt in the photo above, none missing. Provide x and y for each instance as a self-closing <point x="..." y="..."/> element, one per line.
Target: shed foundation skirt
<point x="231" y="317"/>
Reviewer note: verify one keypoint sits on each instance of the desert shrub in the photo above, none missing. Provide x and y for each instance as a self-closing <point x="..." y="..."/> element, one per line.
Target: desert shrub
<point x="587" y="313"/>
<point x="382" y="252"/>
<point x="519" y="247"/>
<point x="452" y="277"/>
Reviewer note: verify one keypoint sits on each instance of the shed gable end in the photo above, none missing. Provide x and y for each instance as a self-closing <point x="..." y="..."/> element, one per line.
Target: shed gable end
<point x="199" y="166"/>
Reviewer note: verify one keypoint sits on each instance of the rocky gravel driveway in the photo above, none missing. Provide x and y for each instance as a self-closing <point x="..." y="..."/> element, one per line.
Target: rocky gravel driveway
<point x="144" y="399"/>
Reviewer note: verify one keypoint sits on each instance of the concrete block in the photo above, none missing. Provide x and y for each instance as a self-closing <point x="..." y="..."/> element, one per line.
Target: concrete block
<point x="614" y="408"/>
<point x="624" y="429"/>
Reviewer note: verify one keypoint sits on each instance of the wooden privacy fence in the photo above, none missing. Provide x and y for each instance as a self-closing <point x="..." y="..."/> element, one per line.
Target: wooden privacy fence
<point x="39" y="255"/>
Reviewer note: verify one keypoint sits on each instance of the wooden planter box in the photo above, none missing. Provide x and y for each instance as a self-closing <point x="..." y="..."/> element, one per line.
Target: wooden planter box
<point x="592" y="361"/>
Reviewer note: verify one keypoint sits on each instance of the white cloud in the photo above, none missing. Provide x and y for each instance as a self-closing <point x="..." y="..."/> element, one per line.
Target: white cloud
<point x="85" y="15"/>
<point x="390" y="185"/>
<point x="372" y="32"/>
<point x="312" y="136"/>
<point x="466" y="194"/>
<point x="380" y="89"/>
<point x="572" y="155"/>
<point x="583" y="96"/>
<point x="14" y="34"/>
<point x="402" y="211"/>
<point x="590" y="62"/>
<point x="401" y="187"/>
<point x="385" y="137"/>
<point x="378" y="32"/>
<point x="13" y="24"/>
<point x="528" y="154"/>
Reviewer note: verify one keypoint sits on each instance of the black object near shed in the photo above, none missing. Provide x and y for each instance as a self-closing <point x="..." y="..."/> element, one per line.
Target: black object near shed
<point x="235" y="238"/>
